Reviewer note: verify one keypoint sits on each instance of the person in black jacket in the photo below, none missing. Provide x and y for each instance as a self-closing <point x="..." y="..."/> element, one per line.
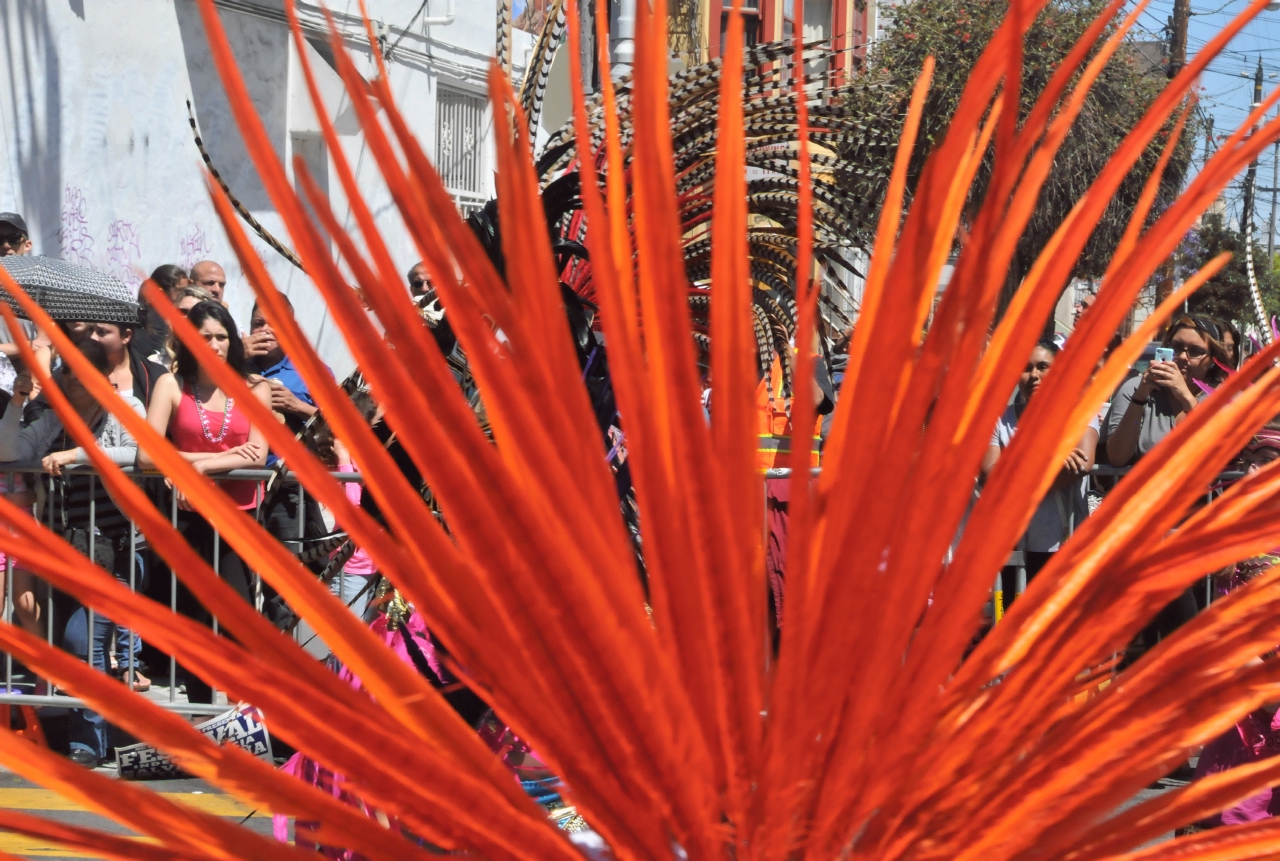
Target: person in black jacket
<point x="131" y="372"/>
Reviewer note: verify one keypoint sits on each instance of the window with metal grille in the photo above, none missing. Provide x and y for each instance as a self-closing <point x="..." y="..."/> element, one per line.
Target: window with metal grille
<point x="752" y="23"/>
<point x="459" y="150"/>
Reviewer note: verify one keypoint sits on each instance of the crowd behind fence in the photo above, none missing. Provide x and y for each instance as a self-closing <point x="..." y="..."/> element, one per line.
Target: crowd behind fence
<point x="46" y="509"/>
<point x="20" y="691"/>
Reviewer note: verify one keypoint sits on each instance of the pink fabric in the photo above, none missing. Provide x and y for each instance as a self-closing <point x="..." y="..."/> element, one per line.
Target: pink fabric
<point x="187" y="435"/>
<point x="304" y="831"/>
<point x="395" y="640"/>
<point x="311" y="772"/>
<point x="1254" y="738"/>
<point x="360" y="564"/>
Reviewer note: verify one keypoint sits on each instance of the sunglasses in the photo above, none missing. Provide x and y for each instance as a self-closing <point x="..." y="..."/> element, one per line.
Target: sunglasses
<point x="418" y="282"/>
<point x="1200" y="324"/>
<point x="12" y="239"/>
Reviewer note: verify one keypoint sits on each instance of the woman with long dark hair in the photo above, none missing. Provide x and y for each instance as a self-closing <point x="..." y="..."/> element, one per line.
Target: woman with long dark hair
<point x="213" y="435"/>
<point x="1149" y="406"/>
<point x="150" y="339"/>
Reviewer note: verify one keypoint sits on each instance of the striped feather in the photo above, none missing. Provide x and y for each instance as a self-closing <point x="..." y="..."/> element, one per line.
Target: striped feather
<point x="534" y="87"/>
<point x="502" y="47"/>
<point x="254" y="225"/>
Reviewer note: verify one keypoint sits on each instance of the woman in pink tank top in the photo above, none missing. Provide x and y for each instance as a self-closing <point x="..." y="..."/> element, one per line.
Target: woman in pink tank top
<point x="214" y="435"/>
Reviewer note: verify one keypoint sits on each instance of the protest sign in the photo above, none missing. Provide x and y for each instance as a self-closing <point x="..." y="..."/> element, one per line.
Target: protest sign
<point x="242" y="726"/>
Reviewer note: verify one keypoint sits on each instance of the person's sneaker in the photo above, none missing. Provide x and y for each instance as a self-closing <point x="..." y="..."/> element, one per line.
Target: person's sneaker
<point x="87" y="758"/>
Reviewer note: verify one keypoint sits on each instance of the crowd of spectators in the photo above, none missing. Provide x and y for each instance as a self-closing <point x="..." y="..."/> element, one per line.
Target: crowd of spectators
<point x="1194" y="356"/>
<point x="154" y="374"/>
<point x="158" y="377"/>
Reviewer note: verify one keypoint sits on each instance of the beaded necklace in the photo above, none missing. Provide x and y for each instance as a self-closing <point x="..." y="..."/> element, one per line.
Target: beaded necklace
<point x="204" y="417"/>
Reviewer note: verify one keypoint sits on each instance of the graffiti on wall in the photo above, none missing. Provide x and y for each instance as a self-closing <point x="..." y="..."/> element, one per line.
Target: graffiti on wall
<point x="193" y="246"/>
<point x="74" y="239"/>
<point x="124" y="252"/>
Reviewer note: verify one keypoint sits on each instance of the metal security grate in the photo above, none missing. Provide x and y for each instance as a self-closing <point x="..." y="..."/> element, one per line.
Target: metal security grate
<point x="459" y="154"/>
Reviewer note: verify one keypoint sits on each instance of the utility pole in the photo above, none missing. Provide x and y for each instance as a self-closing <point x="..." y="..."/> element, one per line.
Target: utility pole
<point x="1251" y="176"/>
<point x="1177" y="59"/>
<point x="1271" y="225"/>
<point x="1178" y="36"/>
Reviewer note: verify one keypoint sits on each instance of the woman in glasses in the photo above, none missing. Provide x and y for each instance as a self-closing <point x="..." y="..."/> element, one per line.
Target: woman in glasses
<point x="1148" y="406"/>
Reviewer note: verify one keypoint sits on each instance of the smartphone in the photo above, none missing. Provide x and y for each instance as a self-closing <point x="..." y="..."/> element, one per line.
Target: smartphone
<point x="1164" y="354"/>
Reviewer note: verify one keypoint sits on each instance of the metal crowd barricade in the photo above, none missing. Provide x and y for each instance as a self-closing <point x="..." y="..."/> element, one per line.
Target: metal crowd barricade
<point x="1017" y="558"/>
<point x="45" y="506"/>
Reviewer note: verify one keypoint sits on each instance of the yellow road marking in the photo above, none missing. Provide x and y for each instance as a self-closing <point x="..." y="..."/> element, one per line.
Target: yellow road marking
<point x="21" y="844"/>
<point x="44" y="799"/>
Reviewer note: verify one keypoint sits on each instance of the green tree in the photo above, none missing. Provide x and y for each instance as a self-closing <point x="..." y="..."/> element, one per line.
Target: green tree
<point x="955" y="33"/>
<point x="1226" y="295"/>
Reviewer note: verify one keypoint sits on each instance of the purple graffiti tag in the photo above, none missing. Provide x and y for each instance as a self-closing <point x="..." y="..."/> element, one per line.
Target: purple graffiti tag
<point x="194" y="246"/>
<point x="73" y="237"/>
<point x="124" y="251"/>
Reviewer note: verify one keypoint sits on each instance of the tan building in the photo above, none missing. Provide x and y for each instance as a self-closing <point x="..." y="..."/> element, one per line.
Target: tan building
<point x="698" y="27"/>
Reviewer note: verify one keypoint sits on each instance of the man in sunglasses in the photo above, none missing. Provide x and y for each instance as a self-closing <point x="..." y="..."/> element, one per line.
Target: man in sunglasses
<point x="14" y="238"/>
<point x="419" y="281"/>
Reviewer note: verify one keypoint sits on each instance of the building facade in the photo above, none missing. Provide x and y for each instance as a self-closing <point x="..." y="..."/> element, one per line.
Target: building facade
<point x="98" y="154"/>
<point x="845" y="24"/>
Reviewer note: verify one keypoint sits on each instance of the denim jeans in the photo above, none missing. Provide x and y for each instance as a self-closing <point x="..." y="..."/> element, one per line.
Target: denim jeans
<point x="349" y="588"/>
<point x="88" y="729"/>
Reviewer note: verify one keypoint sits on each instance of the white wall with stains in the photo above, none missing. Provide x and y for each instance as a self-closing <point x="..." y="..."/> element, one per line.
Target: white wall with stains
<point x="97" y="154"/>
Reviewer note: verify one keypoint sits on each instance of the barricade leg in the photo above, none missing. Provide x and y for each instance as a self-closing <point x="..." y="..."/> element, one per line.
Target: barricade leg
<point x="173" y="606"/>
<point x="48" y="609"/>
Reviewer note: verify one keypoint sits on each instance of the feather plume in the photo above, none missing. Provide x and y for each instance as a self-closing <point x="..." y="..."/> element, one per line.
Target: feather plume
<point x="683" y="733"/>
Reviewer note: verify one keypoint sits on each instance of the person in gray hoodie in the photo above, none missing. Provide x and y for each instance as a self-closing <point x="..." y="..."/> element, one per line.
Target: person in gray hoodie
<point x="40" y="436"/>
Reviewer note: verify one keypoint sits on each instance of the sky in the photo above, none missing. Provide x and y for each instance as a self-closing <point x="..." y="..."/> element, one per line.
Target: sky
<point x="1228" y="83"/>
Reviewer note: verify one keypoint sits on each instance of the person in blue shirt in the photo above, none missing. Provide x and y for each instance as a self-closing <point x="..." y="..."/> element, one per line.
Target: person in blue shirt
<point x="291" y="398"/>
<point x="289" y="393"/>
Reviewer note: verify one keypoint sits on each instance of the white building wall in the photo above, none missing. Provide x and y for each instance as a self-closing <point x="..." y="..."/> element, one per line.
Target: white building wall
<point x="97" y="152"/>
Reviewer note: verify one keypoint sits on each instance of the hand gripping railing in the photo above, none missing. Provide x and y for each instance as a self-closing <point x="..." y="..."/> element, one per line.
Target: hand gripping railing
<point x="46" y="505"/>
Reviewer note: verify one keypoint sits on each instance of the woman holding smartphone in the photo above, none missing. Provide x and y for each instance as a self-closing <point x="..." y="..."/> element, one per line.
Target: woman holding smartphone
<point x="1147" y="407"/>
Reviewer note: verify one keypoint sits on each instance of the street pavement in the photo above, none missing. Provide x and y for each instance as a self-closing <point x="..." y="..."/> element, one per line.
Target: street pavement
<point x="1156" y="789"/>
<point x="19" y="794"/>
